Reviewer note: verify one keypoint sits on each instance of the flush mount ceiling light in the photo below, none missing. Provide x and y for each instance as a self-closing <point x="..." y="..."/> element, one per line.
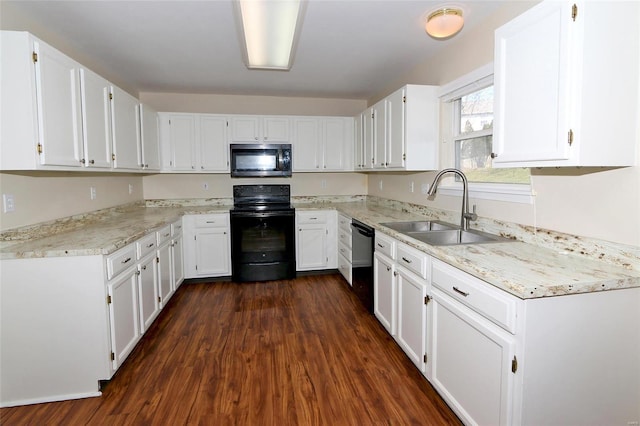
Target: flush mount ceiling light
<point x="269" y="31"/>
<point x="444" y="22"/>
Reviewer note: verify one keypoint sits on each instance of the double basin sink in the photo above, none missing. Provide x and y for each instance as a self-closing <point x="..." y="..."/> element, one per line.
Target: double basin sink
<point x="438" y="233"/>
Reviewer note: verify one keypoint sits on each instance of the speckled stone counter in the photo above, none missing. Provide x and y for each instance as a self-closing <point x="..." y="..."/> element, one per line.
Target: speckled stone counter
<point x="550" y="264"/>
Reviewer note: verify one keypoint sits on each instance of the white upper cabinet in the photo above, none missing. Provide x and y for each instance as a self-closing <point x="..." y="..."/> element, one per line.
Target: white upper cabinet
<point x="41" y="106"/>
<point x="401" y="131"/>
<point x="96" y="119"/>
<point x="259" y="129"/>
<point x="124" y="116"/>
<point x="149" y="139"/>
<point x="322" y="144"/>
<point x="194" y="142"/>
<point x="566" y="86"/>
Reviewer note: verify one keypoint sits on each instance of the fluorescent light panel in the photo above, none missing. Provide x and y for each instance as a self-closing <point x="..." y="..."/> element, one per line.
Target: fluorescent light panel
<point x="269" y="31"/>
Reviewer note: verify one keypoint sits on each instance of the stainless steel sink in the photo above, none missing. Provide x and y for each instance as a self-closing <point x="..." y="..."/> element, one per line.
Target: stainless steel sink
<point x="439" y="233"/>
<point x="419" y="226"/>
<point x="456" y="237"/>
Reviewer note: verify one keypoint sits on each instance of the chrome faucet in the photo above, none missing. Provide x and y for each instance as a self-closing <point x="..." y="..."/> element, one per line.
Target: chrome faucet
<point x="465" y="216"/>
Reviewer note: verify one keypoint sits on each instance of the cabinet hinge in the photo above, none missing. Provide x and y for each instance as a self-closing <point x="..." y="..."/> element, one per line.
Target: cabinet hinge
<point x="427" y="299"/>
<point x="110" y="96"/>
<point x="514" y="364"/>
<point x="39" y="148"/>
<point x="574" y="12"/>
<point x="196" y="267"/>
<point x="159" y="299"/>
<point x="404" y="99"/>
<point x="425" y="358"/>
<point x="113" y="356"/>
<point x="404" y="157"/>
<point x="570" y="137"/>
<point x="113" y="157"/>
<point x="157" y="260"/>
<point x="34" y="56"/>
<point x="108" y="300"/>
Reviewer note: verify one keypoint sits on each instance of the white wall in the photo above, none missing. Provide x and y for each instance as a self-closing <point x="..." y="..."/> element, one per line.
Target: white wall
<point x="597" y="203"/>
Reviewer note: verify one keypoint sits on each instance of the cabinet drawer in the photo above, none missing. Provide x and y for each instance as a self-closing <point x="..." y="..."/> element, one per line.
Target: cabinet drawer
<point x="344" y="266"/>
<point x="385" y="245"/>
<point x="120" y="260"/>
<point x="344" y="237"/>
<point x="344" y="222"/>
<point x="345" y="251"/>
<point x="164" y="235"/>
<point x="176" y="228"/>
<point x="312" y="217"/>
<point x="489" y="302"/>
<point x="211" y="220"/>
<point x="146" y="245"/>
<point x="412" y="259"/>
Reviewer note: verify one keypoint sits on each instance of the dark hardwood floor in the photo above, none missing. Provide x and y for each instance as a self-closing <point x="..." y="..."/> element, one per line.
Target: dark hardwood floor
<point x="298" y="352"/>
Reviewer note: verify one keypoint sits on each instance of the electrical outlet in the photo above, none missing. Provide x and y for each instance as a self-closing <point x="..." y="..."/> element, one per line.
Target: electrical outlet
<point x="424" y="188"/>
<point x="92" y="193"/>
<point x="130" y="189"/>
<point x="380" y="184"/>
<point x="323" y="183"/>
<point x="411" y="187"/>
<point x="8" y="203"/>
<point x="205" y="186"/>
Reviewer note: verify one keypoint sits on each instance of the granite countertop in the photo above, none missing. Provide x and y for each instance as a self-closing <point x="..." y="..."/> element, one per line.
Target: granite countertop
<point x="522" y="269"/>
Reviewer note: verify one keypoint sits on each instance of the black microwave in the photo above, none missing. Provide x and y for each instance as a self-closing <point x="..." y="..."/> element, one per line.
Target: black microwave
<point x="260" y="160"/>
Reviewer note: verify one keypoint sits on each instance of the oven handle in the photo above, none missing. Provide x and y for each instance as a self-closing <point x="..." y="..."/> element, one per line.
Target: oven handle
<point x="262" y="214"/>
<point x="280" y="165"/>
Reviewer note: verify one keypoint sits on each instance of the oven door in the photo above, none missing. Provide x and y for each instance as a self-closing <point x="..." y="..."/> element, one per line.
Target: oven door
<point x="262" y="246"/>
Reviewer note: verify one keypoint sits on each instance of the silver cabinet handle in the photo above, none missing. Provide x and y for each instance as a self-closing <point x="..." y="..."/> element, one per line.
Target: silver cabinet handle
<point x="150" y="245"/>
<point x="380" y="245"/>
<point x="406" y="260"/>
<point x="166" y="235"/>
<point x="457" y="290"/>
<point x="128" y="259"/>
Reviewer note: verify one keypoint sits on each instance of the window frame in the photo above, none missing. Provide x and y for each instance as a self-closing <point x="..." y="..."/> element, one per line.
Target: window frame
<point x="468" y="83"/>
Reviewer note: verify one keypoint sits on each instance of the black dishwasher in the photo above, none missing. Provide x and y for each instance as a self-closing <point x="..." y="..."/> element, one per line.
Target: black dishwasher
<point x="362" y="238"/>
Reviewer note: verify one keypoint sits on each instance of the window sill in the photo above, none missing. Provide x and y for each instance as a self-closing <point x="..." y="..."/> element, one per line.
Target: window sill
<point x="512" y="193"/>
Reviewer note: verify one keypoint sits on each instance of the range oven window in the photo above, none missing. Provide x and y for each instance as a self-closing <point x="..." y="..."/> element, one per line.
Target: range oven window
<point x="262" y="239"/>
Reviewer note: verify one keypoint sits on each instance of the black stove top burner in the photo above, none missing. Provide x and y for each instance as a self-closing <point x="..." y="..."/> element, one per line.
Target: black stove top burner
<point x="261" y="198"/>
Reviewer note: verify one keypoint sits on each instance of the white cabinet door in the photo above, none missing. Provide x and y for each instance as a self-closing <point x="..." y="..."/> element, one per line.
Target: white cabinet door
<point x="96" y="119"/>
<point x="307" y="150"/>
<point x="59" y="109"/>
<point x="124" y="120"/>
<point x="123" y="316"/>
<point x="275" y="129"/>
<point x="368" y="138"/>
<point x="385" y="292"/>
<point x="358" y="142"/>
<point x="532" y="74"/>
<point x="212" y="252"/>
<point x="336" y="143"/>
<point x="148" y="292"/>
<point x="395" y="133"/>
<point x="245" y="129"/>
<point x="165" y="286"/>
<point x="379" y="134"/>
<point x="214" y="149"/>
<point x="412" y="317"/>
<point x="311" y="245"/>
<point x="471" y="363"/>
<point x="149" y="139"/>
<point x="177" y="265"/>
<point x="179" y="131"/>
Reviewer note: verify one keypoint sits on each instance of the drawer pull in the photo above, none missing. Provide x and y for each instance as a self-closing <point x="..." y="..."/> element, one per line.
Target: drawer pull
<point x="128" y="259"/>
<point x="341" y="250"/>
<point x="211" y="221"/>
<point x="406" y="260"/>
<point x="380" y="245"/>
<point x="166" y="235"/>
<point x="150" y="245"/>
<point x="457" y="290"/>
<point x="313" y="218"/>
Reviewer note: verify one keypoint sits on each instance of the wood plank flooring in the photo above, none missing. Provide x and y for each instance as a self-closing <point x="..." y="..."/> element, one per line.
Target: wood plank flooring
<point x="294" y="352"/>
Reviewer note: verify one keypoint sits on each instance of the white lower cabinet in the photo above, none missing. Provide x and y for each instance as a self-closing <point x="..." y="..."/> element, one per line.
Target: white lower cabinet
<point x="385" y="292"/>
<point x="207" y="245"/>
<point x="177" y="261"/>
<point x="345" y="252"/>
<point x="148" y="291"/>
<point x="471" y="363"/>
<point x="316" y="246"/>
<point x="124" y="315"/>
<point x="165" y="283"/>
<point x="412" y="317"/>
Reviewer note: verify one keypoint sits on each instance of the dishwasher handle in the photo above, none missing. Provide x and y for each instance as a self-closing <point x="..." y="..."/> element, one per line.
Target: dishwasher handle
<point x="363" y="229"/>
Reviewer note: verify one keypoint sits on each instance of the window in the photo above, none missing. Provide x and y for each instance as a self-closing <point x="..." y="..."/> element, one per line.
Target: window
<point x="470" y="101"/>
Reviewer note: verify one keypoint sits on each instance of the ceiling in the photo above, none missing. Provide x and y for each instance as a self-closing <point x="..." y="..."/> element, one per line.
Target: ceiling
<point x="347" y="48"/>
